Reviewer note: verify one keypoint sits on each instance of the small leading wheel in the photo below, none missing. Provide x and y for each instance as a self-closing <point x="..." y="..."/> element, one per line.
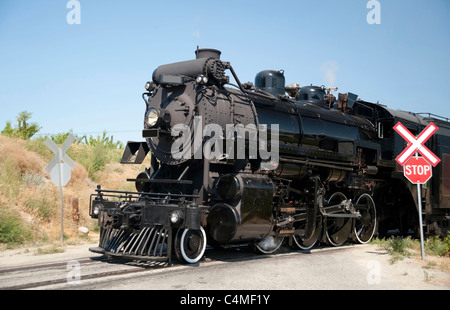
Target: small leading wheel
<point x="364" y="227"/>
<point x="337" y="229"/>
<point x="269" y="244"/>
<point x="190" y="245"/>
<point x="306" y="244"/>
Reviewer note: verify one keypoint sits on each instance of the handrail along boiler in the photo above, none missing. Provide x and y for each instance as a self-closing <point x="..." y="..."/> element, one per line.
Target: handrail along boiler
<point x="334" y="178"/>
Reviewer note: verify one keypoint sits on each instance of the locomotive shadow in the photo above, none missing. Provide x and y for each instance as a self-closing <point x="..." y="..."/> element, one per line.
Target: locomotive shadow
<point x="247" y="252"/>
<point x="230" y="253"/>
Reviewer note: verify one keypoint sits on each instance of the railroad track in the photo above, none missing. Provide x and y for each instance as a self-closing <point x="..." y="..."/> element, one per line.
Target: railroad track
<point x="55" y="274"/>
<point x="58" y="272"/>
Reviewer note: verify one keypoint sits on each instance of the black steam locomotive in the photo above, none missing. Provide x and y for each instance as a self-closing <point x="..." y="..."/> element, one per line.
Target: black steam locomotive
<point x="263" y="164"/>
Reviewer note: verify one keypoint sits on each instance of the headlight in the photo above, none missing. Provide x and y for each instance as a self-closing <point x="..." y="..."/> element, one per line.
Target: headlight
<point x="151" y="117"/>
<point x="175" y="217"/>
<point x="149" y="86"/>
<point x="97" y="209"/>
<point x="201" y="79"/>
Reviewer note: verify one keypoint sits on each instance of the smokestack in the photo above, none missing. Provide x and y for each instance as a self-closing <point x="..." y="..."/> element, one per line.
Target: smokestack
<point x="207" y="53"/>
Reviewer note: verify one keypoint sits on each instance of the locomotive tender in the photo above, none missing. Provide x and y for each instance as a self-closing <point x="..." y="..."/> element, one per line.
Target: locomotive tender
<point x="264" y="164"/>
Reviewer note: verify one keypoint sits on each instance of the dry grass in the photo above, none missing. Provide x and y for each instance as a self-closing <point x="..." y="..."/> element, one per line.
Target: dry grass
<point x="406" y="247"/>
<point x="28" y="194"/>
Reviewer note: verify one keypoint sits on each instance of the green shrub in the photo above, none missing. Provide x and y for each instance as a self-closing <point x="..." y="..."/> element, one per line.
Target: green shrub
<point x="400" y="245"/>
<point x="12" y="230"/>
<point x="23" y="130"/>
<point x="434" y="245"/>
<point x="43" y="206"/>
<point x="92" y="153"/>
<point x="50" y="250"/>
<point x="60" y="138"/>
<point x="10" y="177"/>
<point x="33" y="179"/>
<point x="102" y="141"/>
<point x="93" y="158"/>
<point x="38" y="146"/>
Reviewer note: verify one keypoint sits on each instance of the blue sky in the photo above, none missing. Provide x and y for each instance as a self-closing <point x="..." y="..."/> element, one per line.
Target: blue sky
<point x="89" y="77"/>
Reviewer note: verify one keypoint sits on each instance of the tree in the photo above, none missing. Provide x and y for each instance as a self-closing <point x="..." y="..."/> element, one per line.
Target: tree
<point x="24" y="130"/>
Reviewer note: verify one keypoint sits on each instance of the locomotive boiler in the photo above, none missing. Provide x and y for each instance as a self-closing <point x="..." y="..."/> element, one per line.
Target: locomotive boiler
<point x="264" y="164"/>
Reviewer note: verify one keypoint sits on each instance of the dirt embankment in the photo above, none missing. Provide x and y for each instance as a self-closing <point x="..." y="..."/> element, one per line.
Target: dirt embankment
<point x="29" y="201"/>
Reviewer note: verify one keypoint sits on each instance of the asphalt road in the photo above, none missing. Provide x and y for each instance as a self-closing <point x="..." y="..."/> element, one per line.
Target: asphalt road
<point x="353" y="267"/>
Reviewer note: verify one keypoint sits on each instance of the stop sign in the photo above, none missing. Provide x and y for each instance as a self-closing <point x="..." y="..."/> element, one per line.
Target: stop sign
<point x="417" y="170"/>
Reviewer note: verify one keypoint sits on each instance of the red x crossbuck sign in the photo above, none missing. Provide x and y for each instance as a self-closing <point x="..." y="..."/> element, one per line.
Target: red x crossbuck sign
<point x="416" y="144"/>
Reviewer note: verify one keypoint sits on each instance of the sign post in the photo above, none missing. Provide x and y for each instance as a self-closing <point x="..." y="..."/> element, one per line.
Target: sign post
<point x="419" y="202"/>
<point x="417" y="169"/>
<point x="60" y="168"/>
